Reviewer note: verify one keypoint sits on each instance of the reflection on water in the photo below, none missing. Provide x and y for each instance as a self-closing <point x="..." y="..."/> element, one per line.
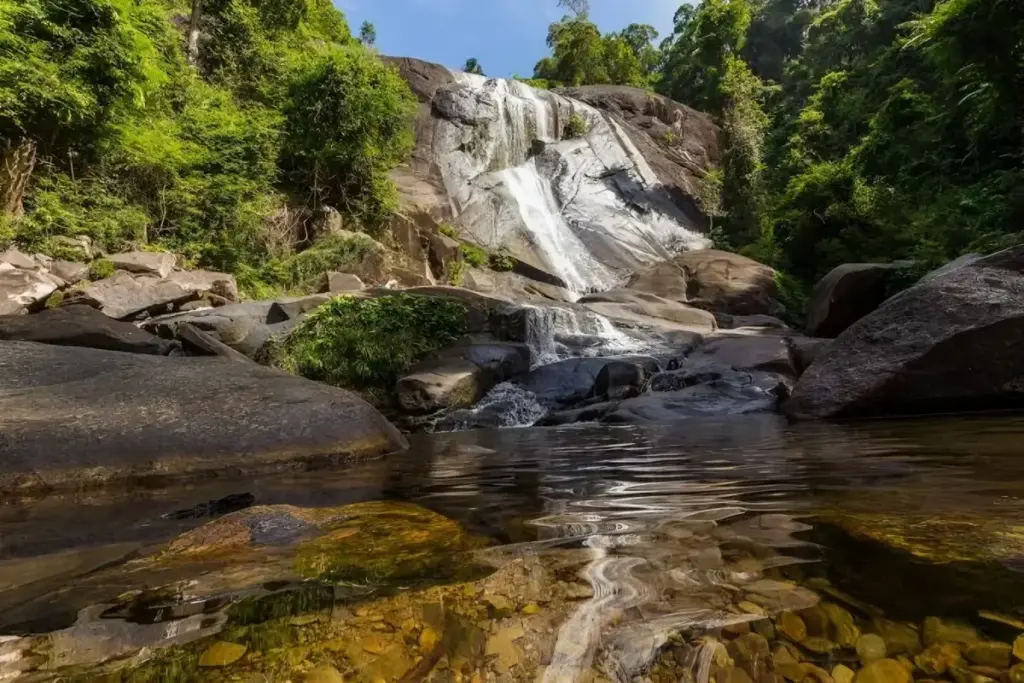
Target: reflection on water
<point x="735" y="551"/>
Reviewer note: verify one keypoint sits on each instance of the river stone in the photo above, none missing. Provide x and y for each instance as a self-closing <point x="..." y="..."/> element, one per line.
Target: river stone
<point x="939" y="346"/>
<point x="156" y="263"/>
<point x="221" y="654"/>
<point x="751" y="652"/>
<point x="11" y="308"/>
<point x="1017" y="673"/>
<point x="937" y="630"/>
<point x="24" y="288"/>
<point x="937" y="659"/>
<point x="816" y="620"/>
<point x="990" y="653"/>
<point x="69" y="271"/>
<point x="324" y="674"/>
<point x="568" y="382"/>
<point x="1018" y="647"/>
<point x="844" y="296"/>
<point x="735" y="394"/>
<point x="961" y="675"/>
<point x="870" y="647"/>
<point x="900" y="638"/>
<point x="74" y="416"/>
<point x="842" y="674"/>
<point x="842" y="628"/>
<point x="458" y="376"/>
<point x="19" y="260"/>
<point x="792" y="626"/>
<point x="203" y="281"/>
<point x="883" y="671"/>
<point x="769" y="353"/>
<point x="125" y="295"/>
<point x="82" y="326"/>
<point x="818" y="645"/>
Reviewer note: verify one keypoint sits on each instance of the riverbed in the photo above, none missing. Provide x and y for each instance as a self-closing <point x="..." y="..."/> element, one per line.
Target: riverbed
<point x="731" y="549"/>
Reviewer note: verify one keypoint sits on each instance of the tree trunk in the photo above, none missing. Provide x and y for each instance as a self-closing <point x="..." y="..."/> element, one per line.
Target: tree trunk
<point x="193" y="33"/>
<point x="17" y="161"/>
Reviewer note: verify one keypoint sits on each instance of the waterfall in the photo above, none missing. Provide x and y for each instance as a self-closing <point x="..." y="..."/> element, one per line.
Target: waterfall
<point x="564" y="252"/>
<point x="556" y="333"/>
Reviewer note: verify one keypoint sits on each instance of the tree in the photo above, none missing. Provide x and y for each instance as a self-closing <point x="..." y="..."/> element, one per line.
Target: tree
<point x="473" y="67"/>
<point x="580" y="8"/>
<point x="59" y="82"/>
<point x="578" y="54"/>
<point x="368" y="34"/>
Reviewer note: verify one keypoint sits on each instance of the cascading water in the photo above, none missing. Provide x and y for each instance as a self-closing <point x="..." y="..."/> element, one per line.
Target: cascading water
<point x="556" y="333"/>
<point x="582" y="209"/>
<point x="566" y="255"/>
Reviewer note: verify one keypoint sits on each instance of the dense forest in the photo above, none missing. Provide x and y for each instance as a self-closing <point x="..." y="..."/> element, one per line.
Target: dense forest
<point x="223" y="129"/>
<point x="218" y="129"/>
<point x="856" y="130"/>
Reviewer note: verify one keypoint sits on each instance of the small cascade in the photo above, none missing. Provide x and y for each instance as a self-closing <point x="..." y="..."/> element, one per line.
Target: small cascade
<point x="506" y="405"/>
<point x="566" y="255"/>
<point x="556" y="334"/>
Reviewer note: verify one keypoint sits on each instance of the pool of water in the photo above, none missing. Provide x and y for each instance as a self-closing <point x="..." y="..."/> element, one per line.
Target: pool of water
<point x="741" y="550"/>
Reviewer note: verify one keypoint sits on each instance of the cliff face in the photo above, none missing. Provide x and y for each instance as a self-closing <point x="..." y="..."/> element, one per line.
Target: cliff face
<point x="493" y="158"/>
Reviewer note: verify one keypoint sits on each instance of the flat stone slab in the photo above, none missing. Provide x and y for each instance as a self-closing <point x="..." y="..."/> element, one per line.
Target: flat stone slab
<point x="74" y="417"/>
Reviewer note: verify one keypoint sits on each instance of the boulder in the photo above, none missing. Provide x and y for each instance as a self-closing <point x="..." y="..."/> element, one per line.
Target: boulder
<point x="410" y="278"/>
<point x="69" y="271"/>
<point x="945" y="344"/>
<point x="959" y="262"/>
<point x="803" y="351"/>
<point x="203" y="344"/>
<point x="738" y="322"/>
<point x="17" y="259"/>
<point x="73" y="417"/>
<point x="641" y="308"/>
<point x="203" y="281"/>
<point x="125" y="295"/>
<point x="244" y="327"/>
<point x="458" y="377"/>
<point x="569" y="382"/>
<point x="734" y="394"/>
<point x="24" y="288"/>
<point x="846" y="295"/>
<point x="714" y="280"/>
<point x="11" y="308"/>
<point x="769" y="353"/>
<point x="157" y="263"/>
<point x="82" y="326"/>
<point x="342" y="282"/>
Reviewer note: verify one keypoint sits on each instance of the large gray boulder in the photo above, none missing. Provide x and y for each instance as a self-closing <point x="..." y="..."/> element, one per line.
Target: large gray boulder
<point x="126" y="295"/>
<point x="156" y="263"/>
<point x="844" y="296"/>
<point x="74" y="417"/>
<point x="949" y="343"/>
<point x="569" y="382"/>
<point x="458" y="377"/>
<point x="82" y="326"/>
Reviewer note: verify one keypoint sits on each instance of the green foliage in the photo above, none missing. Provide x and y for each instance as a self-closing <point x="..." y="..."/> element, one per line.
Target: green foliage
<point x="455" y="273"/>
<point x="448" y="230"/>
<point x="576" y="127"/>
<point x="368" y="34"/>
<point x="502" y="261"/>
<point x="100" y="269"/>
<point x="474" y="255"/>
<point x="366" y="344"/>
<point x="582" y="56"/>
<point x="136" y="147"/>
<point x="794" y="295"/>
<point x="473" y="67"/>
<point x="349" y="124"/>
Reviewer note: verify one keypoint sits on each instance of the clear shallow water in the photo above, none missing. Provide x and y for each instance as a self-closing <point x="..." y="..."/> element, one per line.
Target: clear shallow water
<point x="532" y="554"/>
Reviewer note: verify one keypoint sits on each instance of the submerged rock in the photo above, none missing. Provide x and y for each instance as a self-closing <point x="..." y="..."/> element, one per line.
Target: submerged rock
<point x="457" y="377"/>
<point x="74" y="417"/>
<point x="569" y="382"/>
<point x="939" y="346"/>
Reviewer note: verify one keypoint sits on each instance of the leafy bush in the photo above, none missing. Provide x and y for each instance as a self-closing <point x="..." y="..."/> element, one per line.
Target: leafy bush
<point x="794" y="296"/>
<point x="502" y="261"/>
<point x="366" y="344"/>
<point x="455" y="273"/>
<point x="577" y="127"/>
<point x="349" y="124"/>
<point x="448" y="230"/>
<point x="474" y="255"/>
<point x="100" y="269"/>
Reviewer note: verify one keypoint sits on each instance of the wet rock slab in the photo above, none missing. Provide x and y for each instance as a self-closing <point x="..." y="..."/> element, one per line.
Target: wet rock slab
<point x="77" y="417"/>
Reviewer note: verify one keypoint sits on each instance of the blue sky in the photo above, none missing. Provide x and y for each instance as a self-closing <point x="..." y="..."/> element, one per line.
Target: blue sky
<point x="507" y="36"/>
